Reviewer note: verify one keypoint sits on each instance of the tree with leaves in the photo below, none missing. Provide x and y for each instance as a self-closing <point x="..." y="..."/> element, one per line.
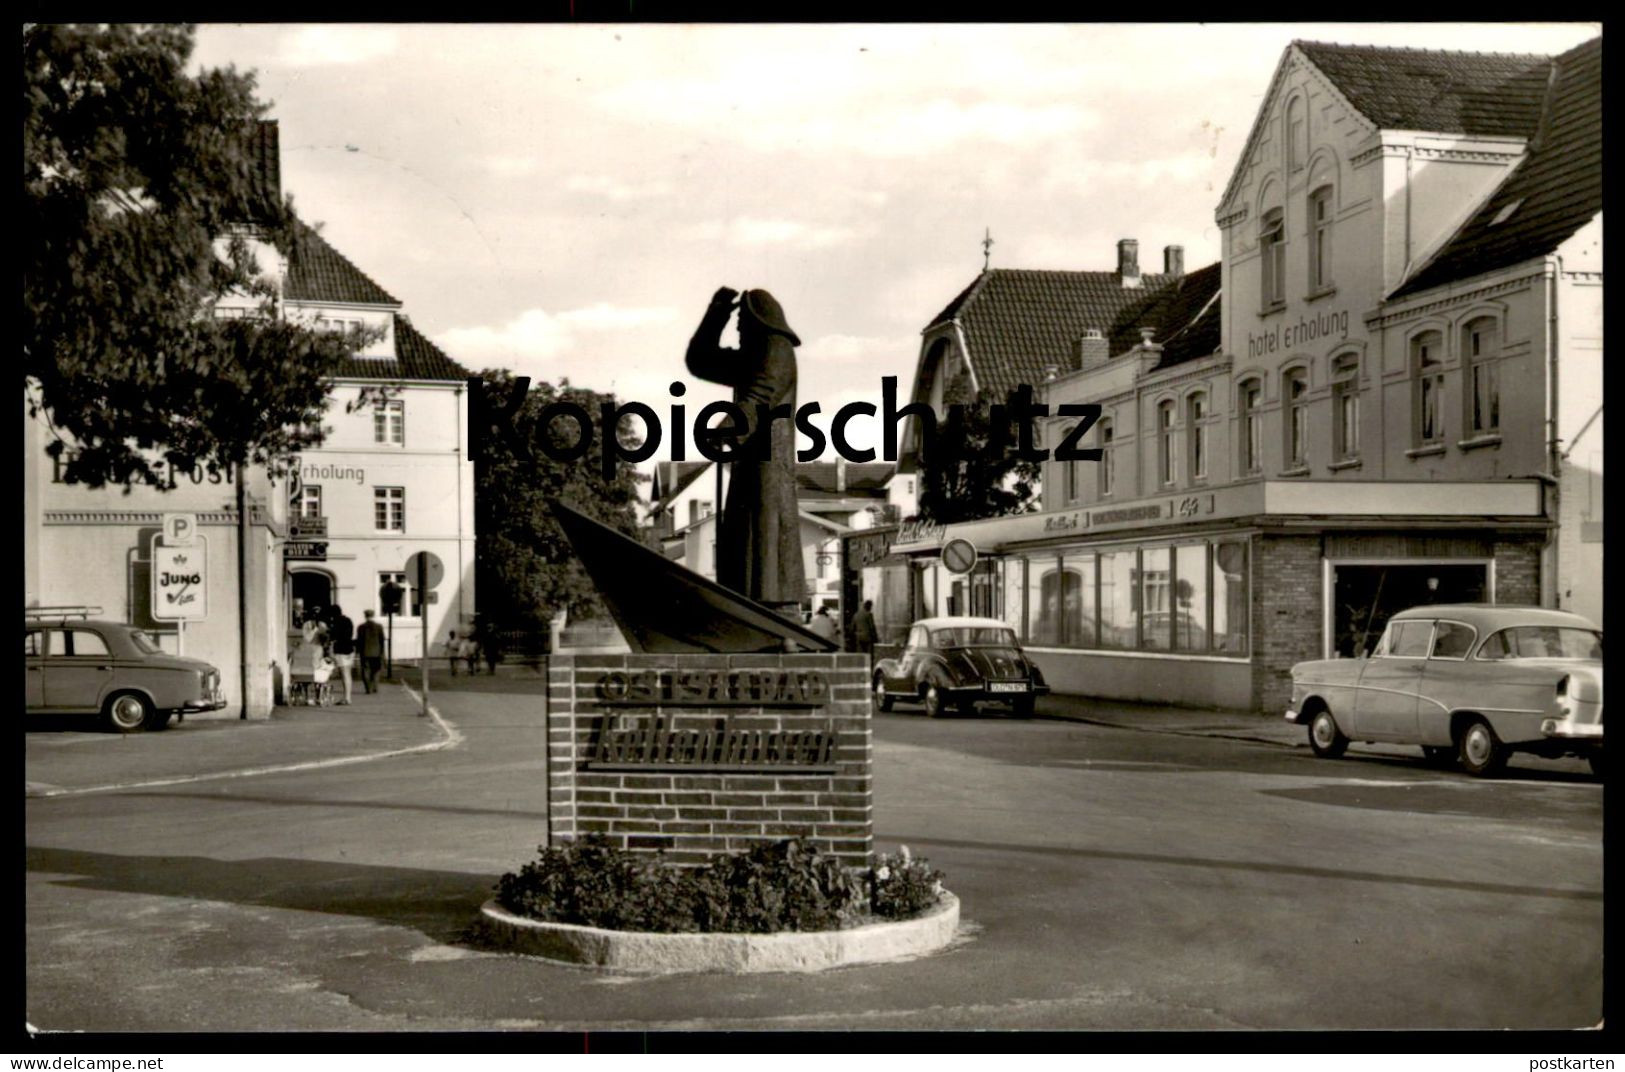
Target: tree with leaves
<point x="525" y="569"/>
<point x="143" y="201"/>
<point x="969" y="468"/>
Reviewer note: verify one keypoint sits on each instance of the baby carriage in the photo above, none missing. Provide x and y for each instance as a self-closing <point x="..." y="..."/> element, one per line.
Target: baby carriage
<point x="308" y="681"/>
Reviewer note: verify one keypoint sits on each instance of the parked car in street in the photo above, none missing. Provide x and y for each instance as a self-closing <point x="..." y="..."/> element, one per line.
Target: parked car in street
<point x="83" y="666"/>
<point x="1471" y="683"/>
<point x="954" y="663"/>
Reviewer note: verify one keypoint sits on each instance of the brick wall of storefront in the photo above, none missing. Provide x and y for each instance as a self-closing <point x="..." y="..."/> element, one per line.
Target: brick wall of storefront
<point x="692" y="814"/>
<point x="1287" y="614"/>
<point x="1517" y="570"/>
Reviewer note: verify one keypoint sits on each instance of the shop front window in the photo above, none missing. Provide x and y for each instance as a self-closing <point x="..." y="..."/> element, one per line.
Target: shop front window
<point x="1015" y="582"/>
<point x="1190" y="597"/>
<point x="1043" y="602"/>
<point x="1230" y="596"/>
<point x="1156" y="599"/>
<point x="1119" y="618"/>
<point x="1078" y="601"/>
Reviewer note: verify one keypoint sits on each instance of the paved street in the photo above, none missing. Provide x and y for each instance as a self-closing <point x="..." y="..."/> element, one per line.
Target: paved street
<point x="1176" y="870"/>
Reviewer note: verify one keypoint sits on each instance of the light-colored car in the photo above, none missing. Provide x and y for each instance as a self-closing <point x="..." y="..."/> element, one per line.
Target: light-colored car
<point x="956" y="662"/>
<point x="81" y="666"/>
<point x="1467" y="682"/>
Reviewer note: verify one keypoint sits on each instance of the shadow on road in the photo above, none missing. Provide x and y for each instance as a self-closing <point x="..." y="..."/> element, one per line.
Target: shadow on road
<point x="440" y="904"/>
<point x="1255" y="866"/>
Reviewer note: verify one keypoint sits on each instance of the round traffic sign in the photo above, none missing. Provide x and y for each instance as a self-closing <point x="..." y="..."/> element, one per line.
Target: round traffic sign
<point x="434" y="571"/>
<point x="959" y="555"/>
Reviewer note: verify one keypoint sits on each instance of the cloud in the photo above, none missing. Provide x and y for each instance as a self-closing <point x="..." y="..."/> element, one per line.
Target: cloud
<point x="320" y="46"/>
<point x="865" y="350"/>
<point x="756" y="231"/>
<point x="509" y="167"/>
<point x="538" y="336"/>
<point x="616" y="189"/>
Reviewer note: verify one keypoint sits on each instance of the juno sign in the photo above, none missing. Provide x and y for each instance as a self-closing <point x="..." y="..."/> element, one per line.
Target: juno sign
<point x="180" y="582"/>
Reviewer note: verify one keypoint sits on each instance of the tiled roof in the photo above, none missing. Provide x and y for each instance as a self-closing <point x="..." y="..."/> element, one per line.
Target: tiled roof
<point x="1553" y="192"/>
<point x="1190" y="318"/>
<point x="416" y="358"/>
<point x="264" y="152"/>
<point x="1478" y="93"/>
<point x="863" y="479"/>
<point x="319" y="273"/>
<point x="1017" y="322"/>
<point x="671" y="479"/>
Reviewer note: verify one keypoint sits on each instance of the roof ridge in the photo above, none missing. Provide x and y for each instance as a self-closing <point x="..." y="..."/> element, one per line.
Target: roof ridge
<point x="1426" y="51"/>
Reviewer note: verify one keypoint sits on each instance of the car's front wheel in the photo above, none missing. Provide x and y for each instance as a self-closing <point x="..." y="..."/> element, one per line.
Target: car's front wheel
<point x="127" y="712"/>
<point x="932" y="698"/>
<point x="1325" y="738"/>
<point x="882" y="700"/>
<point x="1481" y="751"/>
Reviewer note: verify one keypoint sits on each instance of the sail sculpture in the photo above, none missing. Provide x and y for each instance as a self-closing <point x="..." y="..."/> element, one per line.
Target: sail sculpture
<point x="663" y="607"/>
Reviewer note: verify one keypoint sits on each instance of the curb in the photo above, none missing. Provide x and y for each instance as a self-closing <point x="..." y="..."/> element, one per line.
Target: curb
<point x="1239" y="733"/>
<point x="450" y="738"/>
<point x="645" y="952"/>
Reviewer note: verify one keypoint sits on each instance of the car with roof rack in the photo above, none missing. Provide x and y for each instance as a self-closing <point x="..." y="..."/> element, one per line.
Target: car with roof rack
<point x="1469" y="683"/>
<point x="75" y="664"/>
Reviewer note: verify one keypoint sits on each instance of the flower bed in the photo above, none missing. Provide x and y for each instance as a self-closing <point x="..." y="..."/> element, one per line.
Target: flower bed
<point x="778" y="907"/>
<point x="784" y="886"/>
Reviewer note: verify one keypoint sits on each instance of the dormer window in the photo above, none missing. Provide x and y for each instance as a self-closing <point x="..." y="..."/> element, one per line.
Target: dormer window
<point x="1272" y="259"/>
<point x="338" y="323"/>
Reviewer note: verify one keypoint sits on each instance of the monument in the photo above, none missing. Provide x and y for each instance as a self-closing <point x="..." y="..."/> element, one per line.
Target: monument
<point x="729" y="724"/>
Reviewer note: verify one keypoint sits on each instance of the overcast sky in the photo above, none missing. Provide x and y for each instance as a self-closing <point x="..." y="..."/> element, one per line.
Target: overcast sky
<point x="562" y="200"/>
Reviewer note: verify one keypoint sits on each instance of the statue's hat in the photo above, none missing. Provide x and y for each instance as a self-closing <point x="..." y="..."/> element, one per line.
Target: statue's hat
<point x="765" y="309"/>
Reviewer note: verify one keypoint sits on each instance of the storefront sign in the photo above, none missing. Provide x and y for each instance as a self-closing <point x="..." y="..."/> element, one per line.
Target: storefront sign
<point x="305" y="552"/>
<point x="1148" y="512"/>
<point x="1283" y="337"/>
<point x="304" y="528"/>
<point x="867" y="548"/>
<point x="1065" y="522"/>
<point x="180" y="583"/>
<point x="921" y="532"/>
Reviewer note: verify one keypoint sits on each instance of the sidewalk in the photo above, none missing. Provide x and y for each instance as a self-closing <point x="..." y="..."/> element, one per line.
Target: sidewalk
<point x="73" y="757"/>
<point x="1191" y="721"/>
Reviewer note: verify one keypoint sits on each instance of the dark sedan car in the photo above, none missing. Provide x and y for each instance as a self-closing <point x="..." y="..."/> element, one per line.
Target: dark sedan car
<point x="80" y="666"/>
<point x="956" y="662"/>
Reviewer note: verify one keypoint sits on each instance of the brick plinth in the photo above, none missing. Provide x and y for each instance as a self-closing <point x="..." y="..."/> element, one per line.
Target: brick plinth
<point x="692" y="812"/>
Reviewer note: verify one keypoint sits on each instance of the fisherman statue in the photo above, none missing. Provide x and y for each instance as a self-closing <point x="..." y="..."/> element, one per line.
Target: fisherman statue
<point x="759" y="542"/>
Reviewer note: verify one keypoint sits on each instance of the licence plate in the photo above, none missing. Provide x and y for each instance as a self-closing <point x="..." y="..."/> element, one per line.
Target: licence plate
<point x="1007" y="686"/>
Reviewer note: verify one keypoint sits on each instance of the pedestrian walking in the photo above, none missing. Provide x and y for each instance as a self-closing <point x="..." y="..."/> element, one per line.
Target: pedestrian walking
<point x="454" y="652"/>
<point x="491" y="647"/>
<point x="864" y="634"/>
<point x="370" y="644"/>
<point x="341" y="634"/>
<point x="470" y="653"/>
<point x="823" y="624"/>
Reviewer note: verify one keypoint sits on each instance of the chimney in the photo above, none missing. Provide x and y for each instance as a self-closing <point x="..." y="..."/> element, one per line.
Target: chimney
<point x="1093" y="349"/>
<point x="1128" y="261"/>
<point x="1150" y="352"/>
<point x="1173" y="261"/>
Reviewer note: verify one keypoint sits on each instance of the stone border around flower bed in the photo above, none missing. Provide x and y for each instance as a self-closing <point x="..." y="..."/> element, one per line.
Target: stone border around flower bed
<point x="655" y="953"/>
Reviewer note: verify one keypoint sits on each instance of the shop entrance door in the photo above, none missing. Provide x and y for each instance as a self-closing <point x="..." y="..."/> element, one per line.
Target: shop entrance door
<point x="1365" y="595"/>
<point x="312" y="594"/>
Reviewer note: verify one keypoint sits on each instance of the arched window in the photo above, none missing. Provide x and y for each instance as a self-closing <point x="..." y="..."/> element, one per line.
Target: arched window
<point x="1108" y="459"/>
<point x="1346" y="406"/>
<point x="1481" y="349"/>
<point x="1427" y="371"/>
<point x="1252" y="426"/>
<point x="1272" y="258"/>
<point x="1195" y="418"/>
<point x="1295" y="397"/>
<point x="1165" y="441"/>
<point x="1297" y="133"/>
<point x="1320" y="239"/>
